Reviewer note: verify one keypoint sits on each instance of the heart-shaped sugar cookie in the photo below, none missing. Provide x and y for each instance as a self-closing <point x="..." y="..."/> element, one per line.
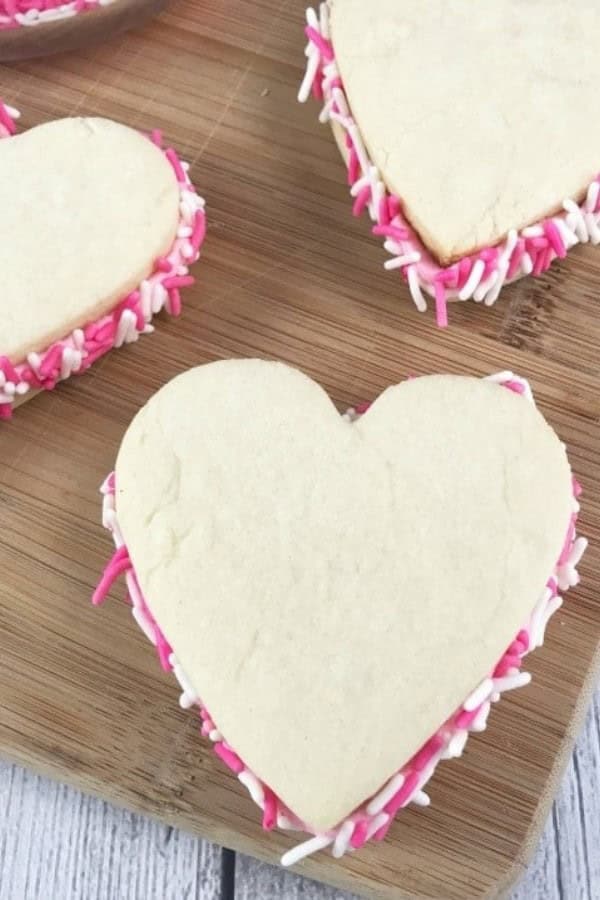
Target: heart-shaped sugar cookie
<point x="332" y="589"/>
<point x="464" y="134"/>
<point x="98" y="228"/>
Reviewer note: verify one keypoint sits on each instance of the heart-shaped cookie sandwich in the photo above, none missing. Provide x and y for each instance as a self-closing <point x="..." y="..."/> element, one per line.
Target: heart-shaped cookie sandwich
<point x="465" y="137"/>
<point x="343" y="597"/>
<point x="99" y="225"/>
<point x="27" y="13"/>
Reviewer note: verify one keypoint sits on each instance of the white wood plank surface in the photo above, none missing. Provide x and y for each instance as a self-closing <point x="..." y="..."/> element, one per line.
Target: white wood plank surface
<point x="57" y="844"/>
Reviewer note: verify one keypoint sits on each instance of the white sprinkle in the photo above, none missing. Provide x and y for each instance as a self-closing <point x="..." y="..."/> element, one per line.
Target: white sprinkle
<point x="479" y="695"/>
<point x="527" y="264"/>
<point x="377" y="823"/>
<point x="456" y="744"/>
<point x="511" y="682"/>
<point x="385" y="795"/>
<point x="146" y="299"/>
<point x="485" y="287"/>
<point x="126" y="322"/>
<point x="592" y="197"/>
<point x="144" y="623"/>
<point x="415" y="288"/>
<point x="33" y="359"/>
<point x="533" y="231"/>
<point x="569" y="237"/>
<point x="186" y="701"/>
<point x="576" y="220"/>
<point x="399" y="262"/>
<point x="501" y="377"/>
<point x="306" y="849"/>
<point x="479" y="723"/>
<point x="253" y="786"/>
<point x="340" y="845"/>
<point x="592" y="227"/>
<point x="159" y="297"/>
<point x="473" y="280"/>
<point x="312" y="68"/>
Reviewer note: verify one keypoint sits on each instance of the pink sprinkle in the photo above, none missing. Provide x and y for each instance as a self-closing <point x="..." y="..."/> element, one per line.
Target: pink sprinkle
<point x="174" y="302"/>
<point x="464" y="271"/>
<point x="178" y="281"/>
<point x="177" y="167"/>
<point x="162" y="264"/>
<point x="6" y="120"/>
<point x="507" y="662"/>
<point x="105" y="332"/>
<point x="359" y="835"/>
<point x="163" y="648"/>
<point x="51" y="361"/>
<point x="440" y="304"/>
<point x="362" y="198"/>
<point x="516" y="648"/>
<point x="490" y="257"/>
<point x="119" y="564"/>
<point x="394" y="206"/>
<point x="317" y="87"/>
<point x="515" y="386"/>
<point x="230" y="758"/>
<point x="9" y="371"/>
<point x="556" y="241"/>
<point x="362" y="408"/>
<point x="543" y="260"/>
<point x="597" y="207"/>
<point x="450" y="277"/>
<point x="465" y="719"/>
<point x="156" y="136"/>
<point x="269" y="820"/>
<point x="535" y="244"/>
<point x="402" y="796"/>
<point x="395" y="232"/>
<point x="353" y="164"/>
<point x="383" y="212"/>
<point x="422" y="759"/>
<point x="523" y="638"/>
<point x="199" y="232"/>
<point x="324" y="47"/>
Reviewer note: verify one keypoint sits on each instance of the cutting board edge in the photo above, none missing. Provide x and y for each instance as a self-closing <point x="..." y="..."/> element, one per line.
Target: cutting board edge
<point x="233" y="839"/>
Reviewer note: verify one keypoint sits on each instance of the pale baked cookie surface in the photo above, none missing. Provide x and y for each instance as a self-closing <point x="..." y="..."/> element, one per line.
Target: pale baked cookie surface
<point x="88" y="205"/>
<point x="482" y="120"/>
<point x="334" y="591"/>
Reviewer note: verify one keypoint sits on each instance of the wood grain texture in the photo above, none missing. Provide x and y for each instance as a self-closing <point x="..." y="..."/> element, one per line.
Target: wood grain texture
<point x="77" y="846"/>
<point x="286" y="273"/>
<point x="75" y="31"/>
<point x="58" y="843"/>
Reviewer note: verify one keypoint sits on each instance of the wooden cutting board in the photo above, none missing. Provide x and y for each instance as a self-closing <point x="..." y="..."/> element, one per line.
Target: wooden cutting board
<point x="286" y="273"/>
